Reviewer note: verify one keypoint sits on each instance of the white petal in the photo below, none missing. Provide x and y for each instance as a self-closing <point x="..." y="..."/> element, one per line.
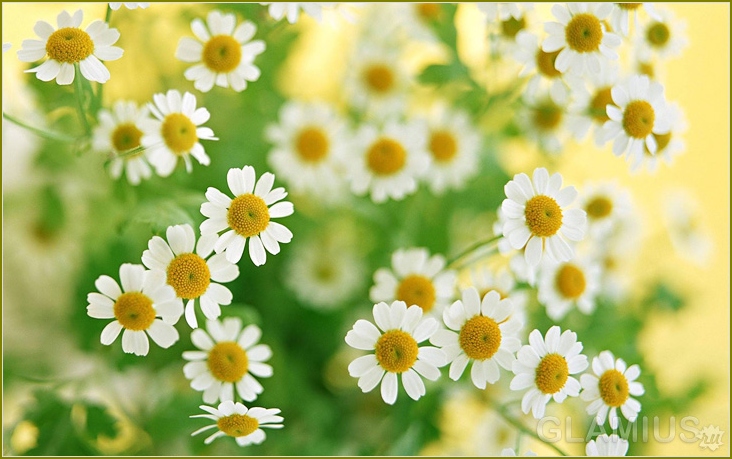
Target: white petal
<point x="389" y="388"/>
<point x="413" y="384"/>
<point x="256" y="251"/>
<point x="135" y="342"/>
<point x="110" y="332"/>
<point x="108" y="286"/>
<point x="163" y="334"/>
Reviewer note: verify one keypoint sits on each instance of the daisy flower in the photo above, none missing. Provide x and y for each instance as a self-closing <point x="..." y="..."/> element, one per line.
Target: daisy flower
<point x="544" y="119"/>
<point x="544" y="367"/>
<point x="621" y="16"/>
<point x="661" y="36"/>
<point x="668" y="146"/>
<point x="119" y="131"/>
<point x="396" y="351"/>
<point x="537" y="217"/>
<point x="291" y="10"/>
<point x="228" y="357"/>
<point x="581" y="37"/>
<point x="611" y="388"/>
<point x="191" y="274"/>
<point x="223" y="52"/>
<point x="247" y="216"/>
<point x="639" y="113"/>
<point x="238" y="421"/>
<point x="176" y="132"/>
<point x="482" y="332"/>
<point x="390" y="160"/>
<point x="309" y="146"/>
<point x="604" y="445"/>
<point x="503" y="11"/>
<point x="540" y="66"/>
<point x="567" y="284"/>
<point x="130" y="6"/>
<point x="453" y="143"/>
<point x="70" y="46"/>
<point x="415" y="278"/>
<point x="135" y="308"/>
<point x="590" y="97"/>
<point x="606" y="204"/>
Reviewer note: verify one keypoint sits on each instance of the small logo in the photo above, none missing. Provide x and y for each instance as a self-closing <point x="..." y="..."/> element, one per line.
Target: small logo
<point x="710" y="437"/>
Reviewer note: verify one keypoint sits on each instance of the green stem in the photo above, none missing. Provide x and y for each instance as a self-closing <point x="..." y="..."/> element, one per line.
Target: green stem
<point x="40" y="132"/>
<point x="471" y="249"/>
<point x="524" y="430"/>
<point x="80" y="99"/>
<point x="108" y="16"/>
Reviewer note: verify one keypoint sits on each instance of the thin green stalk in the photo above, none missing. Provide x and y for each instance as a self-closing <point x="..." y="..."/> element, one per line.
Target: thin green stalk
<point x="108" y="16"/>
<point x="40" y="132"/>
<point x="471" y="249"/>
<point x="80" y="99"/>
<point x="524" y="430"/>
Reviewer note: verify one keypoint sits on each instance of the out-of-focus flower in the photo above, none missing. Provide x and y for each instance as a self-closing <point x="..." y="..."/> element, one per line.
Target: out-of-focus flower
<point x="590" y="97"/>
<point x="224" y="52"/>
<point x="129" y="5"/>
<point x="663" y="35"/>
<point x="510" y="452"/>
<point x="69" y="46"/>
<point x="247" y="216"/>
<point x="622" y="15"/>
<point x="606" y="204"/>
<point x="611" y="388"/>
<point x="567" y="284"/>
<point x="604" y="445"/>
<point x="291" y="10"/>
<point x="504" y="10"/>
<point x="6" y="46"/>
<point x="540" y="66"/>
<point x="228" y="358"/>
<point x="544" y="119"/>
<point x="238" y="421"/>
<point x="503" y="281"/>
<point x="687" y="231"/>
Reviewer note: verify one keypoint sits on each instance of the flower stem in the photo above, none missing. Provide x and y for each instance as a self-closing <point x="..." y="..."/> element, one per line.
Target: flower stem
<point x="471" y="249"/>
<point x="524" y="430"/>
<point x="108" y="16"/>
<point x="80" y="99"/>
<point x="40" y="132"/>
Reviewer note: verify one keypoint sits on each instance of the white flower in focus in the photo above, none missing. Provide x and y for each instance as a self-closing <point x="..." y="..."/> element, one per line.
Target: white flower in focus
<point x="291" y="10"/>
<point x="566" y="284"/>
<point x="663" y="35"/>
<point x="228" y="357"/>
<point x="130" y="6"/>
<point x="668" y="146"/>
<point x="68" y="46"/>
<point x="223" y="52"/>
<point x="610" y="389"/>
<point x="396" y="351"/>
<point x="247" y="216"/>
<point x="191" y="274"/>
<point x="144" y="297"/>
<point x="238" y="421"/>
<point x="610" y="446"/>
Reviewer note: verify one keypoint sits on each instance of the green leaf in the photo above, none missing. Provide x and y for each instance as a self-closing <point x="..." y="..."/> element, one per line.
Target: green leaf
<point x="99" y="422"/>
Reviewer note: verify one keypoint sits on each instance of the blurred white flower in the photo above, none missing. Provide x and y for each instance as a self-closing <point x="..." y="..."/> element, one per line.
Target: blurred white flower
<point x="291" y="10"/>
<point x="129" y="5"/>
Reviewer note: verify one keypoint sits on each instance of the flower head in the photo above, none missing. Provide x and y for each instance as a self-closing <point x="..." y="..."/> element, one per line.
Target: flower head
<point x="238" y="421"/>
<point x="291" y="10"/>
<point x="663" y="35"/>
<point x="604" y="445"/>
<point x="611" y="388"/>
<point x="566" y="284"/>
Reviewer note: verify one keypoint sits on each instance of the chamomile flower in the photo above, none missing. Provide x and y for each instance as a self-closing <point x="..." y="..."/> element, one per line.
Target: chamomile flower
<point x="309" y="146"/>
<point x="606" y="204"/>
<point x="191" y="274"/>
<point x="376" y="80"/>
<point x="130" y="6"/>
<point x="396" y="351"/>
<point x="228" y="357"/>
<point x="663" y="36"/>
<point x="544" y="367"/>
<point x="482" y="332"/>
<point x="566" y="284"/>
<point x="417" y="279"/>
<point x="247" y="216"/>
<point x="223" y="52"/>
<point x="580" y="37"/>
<point x="119" y="133"/>
<point x="540" y="66"/>
<point x="388" y="161"/>
<point x="291" y="10"/>
<point x="69" y="46"/>
<point x="639" y="114"/>
<point x="610" y="389"/>
<point x="144" y="296"/>
<point x="604" y="445"/>
<point x="537" y="217"/>
<point x="668" y="146"/>
<point x="503" y="11"/>
<point x="590" y="97"/>
<point x="544" y="119"/>
<point x="238" y="421"/>
<point x="176" y="132"/>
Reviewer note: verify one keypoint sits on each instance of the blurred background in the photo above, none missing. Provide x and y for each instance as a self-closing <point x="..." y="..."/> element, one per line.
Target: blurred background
<point x="65" y="222"/>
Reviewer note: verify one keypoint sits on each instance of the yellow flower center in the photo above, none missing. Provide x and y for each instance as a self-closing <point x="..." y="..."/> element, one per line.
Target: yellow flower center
<point x="134" y="311"/>
<point x="614" y="388"/>
<point x="248" y="215"/>
<point x="227" y="361"/>
<point x="126" y="137"/>
<point x="570" y="281"/>
<point x="547" y="116"/>
<point x="179" y="133"/>
<point x="70" y="45"/>
<point x="512" y="26"/>
<point x="543" y="216"/>
<point x="551" y="373"/>
<point x="599" y="207"/>
<point x="662" y="141"/>
<point x="629" y="6"/>
<point x="598" y="105"/>
<point x="416" y="289"/>
<point x="658" y="34"/>
<point x="480" y="338"/>
<point x="428" y="11"/>
<point x="311" y="144"/>
<point x="189" y="275"/>
<point x="396" y="351"/>
<point x="222" y="54"/>
<point x="584" y="33"/>
<point x="379" y="78"/>
<point x="545" y="63"/>
<point x="638" y="119"/>
<point x="386" y="157"/>
<point x="443" y="146"/>
<point x="237" y="425"/>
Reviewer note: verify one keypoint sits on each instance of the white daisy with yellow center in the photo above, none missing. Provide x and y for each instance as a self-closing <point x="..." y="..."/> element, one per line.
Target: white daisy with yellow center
<point x="143" y="298"/>
<point x="291" y="10"/>
<point x="129" y="5"/>
<point x="567" y="284"/>
<point x="224" y="53"/>
<point x="544" y="367"/>
<point x="247" y="216"/>
<point x="228" y="357"/>
<point x="607" y="445"/>
<point x="580" y="36"/>
<point x="544" y="119"/>
<point x="662" y="35"/>
<point x="607" y="205"/>
<point x="417" y="279"/>
<point x="389" y="161"/>
<point x="639" y="114"/>
<point x="611" y="388"/>
<point x="539" y="65"/>
<point x="309" y="147"/>
<point x="193" y="276"/>
<point x="376" y="80"/>
<point x="537" y="217"/>
<point x="482" y="332"/>
<point x="119" y="132"/>
<point x="396" y="351"/>
<point x="176" y="132"/>
<point x="668" y="146"/>
<point x="590" y="97"/>
<point x="238" y="421"/>
<point x="68" y="47"/>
